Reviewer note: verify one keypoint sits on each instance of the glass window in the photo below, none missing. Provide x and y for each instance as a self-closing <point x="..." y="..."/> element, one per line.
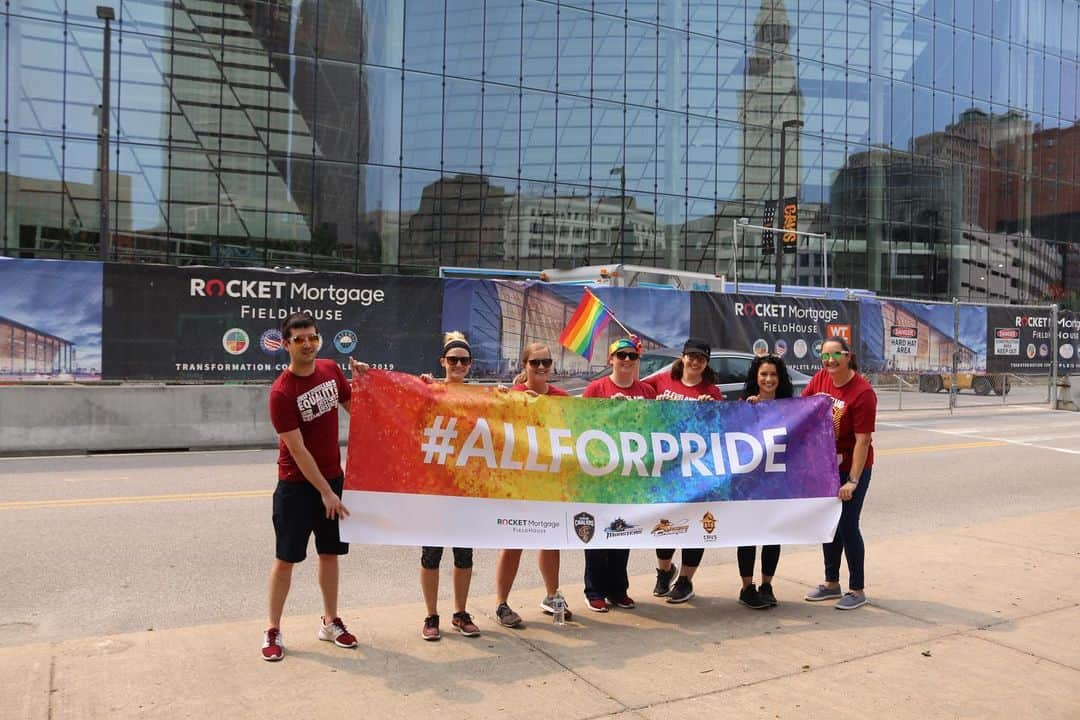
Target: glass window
<point x="809" y="30"/>
<point x="538" y="123"/>
<point x="609" y="61"/>
<point x="834" y="28"/>
<point x="962" y="61"/>
<point x="858" y="35"/>
<point x="731" y="74"/>
<point x="702" y="80"/>
<point x="734" y="20"/>
<point x="572" y="141"/>
<point x="384" y="32"/>
<point x="291" y="111"/>
<point x="670" y="152"/>
<point x="138" y="207"/>
<point x="464" y="49"/>
<point x="673" y="57"/>
<point x="462" y="126"/>
<point x="644" y="10"/>
<point x="421" y="142"/>
<point x="380" y="115"/>
<point x="341" y="24"/>
<point x="37" y="57"/>
<point x="337" y="110"/>
<point x="420" y="203"/>
<point x="607" y="146"/>
<point x="701" y="157"/>
<point x="502" y="41"/>
<point x="538" y="68"/>
<point x="424" y="35"/>
<point x="379" y="202"/>
<point x="641" y="81"/>
<point x="334" y="227"/>
<point x="501" y="131"/>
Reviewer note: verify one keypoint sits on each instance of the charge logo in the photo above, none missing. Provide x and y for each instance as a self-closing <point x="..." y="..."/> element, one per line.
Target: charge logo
<point x="235" y="341"/>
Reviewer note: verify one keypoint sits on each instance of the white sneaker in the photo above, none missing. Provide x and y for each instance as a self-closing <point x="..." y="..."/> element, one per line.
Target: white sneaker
<point x="335" y="632"/>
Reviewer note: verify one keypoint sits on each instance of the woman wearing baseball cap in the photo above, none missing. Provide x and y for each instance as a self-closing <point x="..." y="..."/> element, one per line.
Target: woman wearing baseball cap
<point x="690" y="378"/>
<point x="605" y="570"/>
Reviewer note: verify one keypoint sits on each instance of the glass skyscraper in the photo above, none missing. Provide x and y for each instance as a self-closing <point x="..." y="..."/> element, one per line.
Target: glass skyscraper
<point x="937" y="151"/>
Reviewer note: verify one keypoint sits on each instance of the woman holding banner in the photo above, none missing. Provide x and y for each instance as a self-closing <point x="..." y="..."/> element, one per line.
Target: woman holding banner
<point x="690" y="378"/>
<point x="767" y="379"/>
<point x="536" y="364"/>
<point x="605" y="570"/>
<point x="854" y="414"/>
<point x="455" y="360"/>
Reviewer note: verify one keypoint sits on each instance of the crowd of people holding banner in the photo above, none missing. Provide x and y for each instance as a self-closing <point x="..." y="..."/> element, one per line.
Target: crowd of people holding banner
<point x="307" y="500"/>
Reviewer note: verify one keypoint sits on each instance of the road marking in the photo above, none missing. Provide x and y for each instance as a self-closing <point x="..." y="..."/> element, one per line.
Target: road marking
<point x="132" y="499"/>
<point x="969" y="433"/>
<point x="935" y="448"/>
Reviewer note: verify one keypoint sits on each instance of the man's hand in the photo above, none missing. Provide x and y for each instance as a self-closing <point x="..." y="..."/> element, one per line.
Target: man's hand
<point x="334" y="507"/>
<point x="358" y="368"/>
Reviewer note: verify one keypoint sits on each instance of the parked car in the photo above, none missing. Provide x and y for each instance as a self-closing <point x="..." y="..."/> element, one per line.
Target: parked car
<point x="731" y="367"/>
<point x="981" y="383"/>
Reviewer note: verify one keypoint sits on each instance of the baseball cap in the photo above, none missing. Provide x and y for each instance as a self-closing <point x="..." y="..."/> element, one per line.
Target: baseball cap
<point x="697" y="345"/>
<point x="626" y="343"/>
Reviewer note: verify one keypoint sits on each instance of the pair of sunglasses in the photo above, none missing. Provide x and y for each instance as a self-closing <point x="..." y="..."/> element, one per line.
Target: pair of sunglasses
<point x="541" y="362"/>
<point x="627" y="355"/>
<point x="455" y="360"/>
<point x="304" y="339"/>
<point x="834" y="355"/>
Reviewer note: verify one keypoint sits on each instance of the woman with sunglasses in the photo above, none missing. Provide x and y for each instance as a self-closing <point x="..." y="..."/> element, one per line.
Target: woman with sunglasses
<point x="536" y="364"/>
<point x="854" y="414"/>
<point x="455" y="360"/>
<point x="690" y="378"/>
<point x="767" y="379"/>
<point x="605" y="570"/>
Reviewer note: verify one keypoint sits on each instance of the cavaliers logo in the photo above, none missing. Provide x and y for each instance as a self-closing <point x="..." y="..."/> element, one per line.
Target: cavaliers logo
<point x="584" y="526"/>
<point x="708" y="522"/>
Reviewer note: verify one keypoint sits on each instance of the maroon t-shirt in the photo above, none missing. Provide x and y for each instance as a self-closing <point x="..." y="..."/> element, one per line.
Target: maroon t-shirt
<point x="668" y="388"/>
<point x="551" y="389"/>
<point x="606" y="388"/>
<point x="311" y="404"/>
<point x="854" y="411"/>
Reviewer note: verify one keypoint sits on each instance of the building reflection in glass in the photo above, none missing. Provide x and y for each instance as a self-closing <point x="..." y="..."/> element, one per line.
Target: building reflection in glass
<point x="938" y="148"/>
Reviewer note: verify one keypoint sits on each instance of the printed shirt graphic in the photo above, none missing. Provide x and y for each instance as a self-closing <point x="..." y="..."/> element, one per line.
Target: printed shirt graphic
<point x="310" y="404"/>
<point x="606" y="388"/>
<point x="668" y="388"/>
<point x="854" y="411"/>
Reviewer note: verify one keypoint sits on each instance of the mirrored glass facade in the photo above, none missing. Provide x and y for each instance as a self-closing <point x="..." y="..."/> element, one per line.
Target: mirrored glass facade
<point x="937" y="148"/>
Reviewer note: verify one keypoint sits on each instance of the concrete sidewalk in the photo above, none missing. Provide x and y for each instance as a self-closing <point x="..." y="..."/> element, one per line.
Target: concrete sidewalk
<point x="974" y="622"/>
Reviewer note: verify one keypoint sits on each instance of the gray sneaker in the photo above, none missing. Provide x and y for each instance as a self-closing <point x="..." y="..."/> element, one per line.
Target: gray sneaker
<point x="823" y="592"/>
<point x="506" y="616"/>
<point x="850" y="601"/>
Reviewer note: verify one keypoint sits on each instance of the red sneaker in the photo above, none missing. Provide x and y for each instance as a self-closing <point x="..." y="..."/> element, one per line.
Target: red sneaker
<point x="334" y="631"/>
<point x="598" y="605"/>
<point x="431" y="628"/>
<point x="273" y="648"/>
<point x="624" y="602"/>
<point x="463" y="623"/>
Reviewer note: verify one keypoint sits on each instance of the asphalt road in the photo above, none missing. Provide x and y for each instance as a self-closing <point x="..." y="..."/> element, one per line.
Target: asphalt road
<point x="93" y="545"/>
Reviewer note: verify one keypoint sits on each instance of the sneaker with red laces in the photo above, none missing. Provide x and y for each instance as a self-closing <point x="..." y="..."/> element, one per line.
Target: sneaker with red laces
<point x="624" y="602"/>
<point x="273" y="648"/>
<point x="463" y="623"/>
<point x="430" y="630"/>
<point x="335" y="632"/>
<point x="598" y="605"/>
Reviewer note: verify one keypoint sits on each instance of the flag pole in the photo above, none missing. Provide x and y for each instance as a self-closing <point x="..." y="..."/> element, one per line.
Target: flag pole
<point x="610" y="314"/>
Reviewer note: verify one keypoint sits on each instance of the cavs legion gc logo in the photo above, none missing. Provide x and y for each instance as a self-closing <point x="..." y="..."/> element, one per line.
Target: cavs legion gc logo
<point x="708" y="522"/>
<point x="584" y="526"/>
<point x="235" y="341"/>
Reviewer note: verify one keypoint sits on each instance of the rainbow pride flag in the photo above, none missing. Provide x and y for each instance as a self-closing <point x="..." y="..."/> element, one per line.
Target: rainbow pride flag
<point x="587" y="323"/>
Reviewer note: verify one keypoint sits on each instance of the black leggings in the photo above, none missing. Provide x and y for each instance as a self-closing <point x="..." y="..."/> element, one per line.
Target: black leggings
<point x="770" y="556"/>
<point x="430" y="557"/>
<point x="691" y="557"/>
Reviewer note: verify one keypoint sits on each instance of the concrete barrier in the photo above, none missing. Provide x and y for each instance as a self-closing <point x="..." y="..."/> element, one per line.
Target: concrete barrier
<point x="81" y="418"/>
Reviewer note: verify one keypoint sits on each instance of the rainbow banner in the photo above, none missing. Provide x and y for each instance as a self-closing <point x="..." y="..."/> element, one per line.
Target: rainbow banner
<point x="586" y="324"/>
<point x="470" y="466"/>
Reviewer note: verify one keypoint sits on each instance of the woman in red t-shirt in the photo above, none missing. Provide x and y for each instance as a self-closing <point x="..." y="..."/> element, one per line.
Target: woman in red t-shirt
<point x="690" y="378"/>
<point x="854" y="414"/>
<point x="605" y="570"/>
<point x="536" y="364"/>
<point x="455" y="360"/>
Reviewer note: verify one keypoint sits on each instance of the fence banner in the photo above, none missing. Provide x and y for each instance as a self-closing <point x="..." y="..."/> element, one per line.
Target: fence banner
<point x="477" y="467"/>
<point x="790" y="327"/>
<point x="203" y="323"/>
<point x="1019" y="339"/>
<point x="906" y="336"/>
<point x="1068" y="342"/>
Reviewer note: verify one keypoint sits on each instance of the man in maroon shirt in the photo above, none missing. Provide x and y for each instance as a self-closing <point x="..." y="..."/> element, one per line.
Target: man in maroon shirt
<point x="303" y="409"/>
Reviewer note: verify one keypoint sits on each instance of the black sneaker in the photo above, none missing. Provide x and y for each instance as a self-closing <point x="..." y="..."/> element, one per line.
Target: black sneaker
<point x="683" y="591"/>
<point x="751" y="598"/>
<point x="766" y="594"/>
<point x="663" y="581"/>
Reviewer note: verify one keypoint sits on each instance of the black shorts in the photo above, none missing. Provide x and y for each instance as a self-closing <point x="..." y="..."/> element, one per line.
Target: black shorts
<point x="298" y="512"/>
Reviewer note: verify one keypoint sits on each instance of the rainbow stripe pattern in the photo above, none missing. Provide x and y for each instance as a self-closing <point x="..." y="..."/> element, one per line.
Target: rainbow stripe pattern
<point x="586" y="324"/>
<point x="466" y="441"/>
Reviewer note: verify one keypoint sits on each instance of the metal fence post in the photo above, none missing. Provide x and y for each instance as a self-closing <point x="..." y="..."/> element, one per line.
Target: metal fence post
<point x="1053" y="355"/>
<point x="954" y="386"/>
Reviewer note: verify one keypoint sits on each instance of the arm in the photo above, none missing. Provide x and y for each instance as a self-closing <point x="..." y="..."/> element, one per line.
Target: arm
<point x="345" y="389"/>
<point x="295" y="442"/>
<point x="858" y="460"/>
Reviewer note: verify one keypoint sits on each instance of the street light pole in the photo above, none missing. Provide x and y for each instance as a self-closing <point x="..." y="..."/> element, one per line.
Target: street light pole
<point x="621" y="171"/>
<point x="778" y="249"/>
<point x="107" y="14"/>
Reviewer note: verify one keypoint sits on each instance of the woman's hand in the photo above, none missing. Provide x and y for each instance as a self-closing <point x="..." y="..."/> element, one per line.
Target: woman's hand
<point x="427" y="377"/>
<point x="753" y="399"/>
<point x="847" y="490"/>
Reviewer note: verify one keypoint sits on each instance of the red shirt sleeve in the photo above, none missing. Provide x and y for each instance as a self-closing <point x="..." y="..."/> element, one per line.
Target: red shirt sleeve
<point x="344" y="388"/>
<point x="284" y="415"/>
